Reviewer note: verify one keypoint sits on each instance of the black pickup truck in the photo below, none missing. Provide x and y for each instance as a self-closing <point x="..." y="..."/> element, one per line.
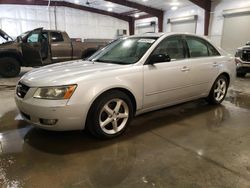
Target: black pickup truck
<point x="243" y="60"/>
<point x="41" y="47"/>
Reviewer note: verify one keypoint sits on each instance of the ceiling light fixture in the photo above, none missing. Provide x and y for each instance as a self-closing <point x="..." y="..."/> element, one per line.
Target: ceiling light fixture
<point x="144" y="0"/>
<point x="77" y="1"/>
<point x="174" y="4"/>
<point x="110" y="9"/>
<point x="137" y="15"/>
<point x="174" y="8"/>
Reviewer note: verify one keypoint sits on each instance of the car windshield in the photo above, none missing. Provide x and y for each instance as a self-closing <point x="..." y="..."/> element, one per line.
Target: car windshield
<point x="124" y="51"/>
<point x="2" y="40"/>
<point x="4" y="37"/>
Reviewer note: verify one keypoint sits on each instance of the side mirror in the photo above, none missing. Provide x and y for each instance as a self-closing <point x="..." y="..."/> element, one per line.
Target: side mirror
<point x="248" y="43"/>
<point x="19" y="39"/>
<point x="159" y="58"/>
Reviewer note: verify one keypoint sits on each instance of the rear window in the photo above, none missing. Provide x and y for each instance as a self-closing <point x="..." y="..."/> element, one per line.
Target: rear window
<point x="56" y="37"/>
<point x="200" y="48"/>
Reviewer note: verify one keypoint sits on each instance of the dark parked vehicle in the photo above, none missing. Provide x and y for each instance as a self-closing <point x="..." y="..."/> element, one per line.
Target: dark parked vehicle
<point x="243" y="60"/>
<point x="41" y="47"/>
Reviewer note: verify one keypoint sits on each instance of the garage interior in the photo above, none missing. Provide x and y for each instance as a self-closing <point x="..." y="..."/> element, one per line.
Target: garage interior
<point x="188" y="145"/>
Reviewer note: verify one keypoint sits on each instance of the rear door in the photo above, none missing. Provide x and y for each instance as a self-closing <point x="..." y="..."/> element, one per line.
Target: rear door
<point x="204" y="61"/>
<point x="61" y="47"/>
<point x="31" y="48"/>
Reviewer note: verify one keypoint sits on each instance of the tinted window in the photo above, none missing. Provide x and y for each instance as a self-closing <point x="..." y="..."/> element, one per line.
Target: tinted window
<point x="45" y="35"/>
<point x="172" y="46"/>
<point x="197" y="47"/>
<point x="56" y="37"/>
<point x="212" y="51"/>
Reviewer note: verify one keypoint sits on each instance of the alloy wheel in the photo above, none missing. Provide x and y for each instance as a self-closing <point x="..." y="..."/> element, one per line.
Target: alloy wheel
<point x="220" y="89"/>
<point x="114" y="116"/>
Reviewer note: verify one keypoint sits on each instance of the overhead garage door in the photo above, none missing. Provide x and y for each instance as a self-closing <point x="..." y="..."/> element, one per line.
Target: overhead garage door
<point x="145" y="28"/>
<point x="236" y="32"/>
<point x="184" y="24"/>
<point x="189" y="26"/>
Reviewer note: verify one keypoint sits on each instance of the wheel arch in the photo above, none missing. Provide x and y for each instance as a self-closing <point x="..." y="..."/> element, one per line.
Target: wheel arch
<point x="226" y="75"/>
<point x="122" y="89"/>
<point x="14" y="55"/>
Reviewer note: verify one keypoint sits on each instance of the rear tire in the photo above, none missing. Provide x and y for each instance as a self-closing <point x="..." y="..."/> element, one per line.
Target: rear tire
<point x="219" y="90"/>
<point x="110" y="115"/>
<point x="9" y="67"/>
<point x="241" y="74"/>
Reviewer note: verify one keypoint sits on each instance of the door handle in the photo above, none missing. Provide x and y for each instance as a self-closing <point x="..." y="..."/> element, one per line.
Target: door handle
<point x="185" y="69"/>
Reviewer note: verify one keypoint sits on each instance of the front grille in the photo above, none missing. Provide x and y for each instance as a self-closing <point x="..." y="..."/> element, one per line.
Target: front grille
<point x="246" y="55"/>
<point x="22" y="90"/>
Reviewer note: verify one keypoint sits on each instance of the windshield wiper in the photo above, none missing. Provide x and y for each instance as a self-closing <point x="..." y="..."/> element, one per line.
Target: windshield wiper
<point x="110" y="61"/>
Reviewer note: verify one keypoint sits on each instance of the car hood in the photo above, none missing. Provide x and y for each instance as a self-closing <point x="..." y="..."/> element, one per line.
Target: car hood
<point x="71" y="72"/>
<point x="247" y="47"/>
<point x="8" y="45"/>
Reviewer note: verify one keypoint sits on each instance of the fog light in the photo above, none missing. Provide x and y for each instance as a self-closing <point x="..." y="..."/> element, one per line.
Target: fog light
<point x="48" y="121"/>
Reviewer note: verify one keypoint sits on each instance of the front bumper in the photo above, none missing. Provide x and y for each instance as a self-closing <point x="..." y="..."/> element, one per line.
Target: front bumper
<point x="242" y="66"/>
<point x="69" y="117"/>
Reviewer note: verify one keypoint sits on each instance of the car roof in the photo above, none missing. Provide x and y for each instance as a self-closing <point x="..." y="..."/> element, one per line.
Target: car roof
<point x="158" y="35"/>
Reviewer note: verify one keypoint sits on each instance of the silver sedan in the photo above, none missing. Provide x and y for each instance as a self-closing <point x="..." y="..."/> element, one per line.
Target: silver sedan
<point x="128" y="77"/>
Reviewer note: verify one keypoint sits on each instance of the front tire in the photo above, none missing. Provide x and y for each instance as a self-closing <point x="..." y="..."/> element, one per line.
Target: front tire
<point x="219" y="90"/>
<point x="9" y="67"/>
<point x="110" y="115"/>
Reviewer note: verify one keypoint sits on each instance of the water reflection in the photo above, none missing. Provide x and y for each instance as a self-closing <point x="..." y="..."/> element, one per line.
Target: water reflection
<point x="239" y="99"/>
<point x="6" y="163"/>
<point x="84" y="160"/>
<point x="216" y="117"/>
<point x="11" y="120"/>
<point x="12" y="141"/>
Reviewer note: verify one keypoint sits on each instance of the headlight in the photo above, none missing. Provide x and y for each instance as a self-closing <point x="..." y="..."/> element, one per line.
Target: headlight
<point x="55" y="93"/>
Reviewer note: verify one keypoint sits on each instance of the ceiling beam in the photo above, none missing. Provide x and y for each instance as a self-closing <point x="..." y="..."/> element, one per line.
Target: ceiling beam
<point x="206" y="5"/>
<point x="130" y="12"/>
<point x="143" y="8"/>
<point x="66" y="4"/>
<point x="144" y="17"/>
<point x="152" y="11"/>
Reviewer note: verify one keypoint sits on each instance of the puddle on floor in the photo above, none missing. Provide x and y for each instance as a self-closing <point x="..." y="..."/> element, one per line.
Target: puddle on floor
<point x="239" y="99"/>
<point x="11" y="120"/>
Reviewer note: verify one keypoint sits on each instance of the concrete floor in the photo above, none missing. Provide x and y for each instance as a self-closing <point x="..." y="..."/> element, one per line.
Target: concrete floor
<point x="189" y="145"/>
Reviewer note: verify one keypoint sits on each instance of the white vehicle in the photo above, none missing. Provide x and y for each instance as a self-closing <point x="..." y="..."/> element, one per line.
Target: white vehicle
<point x="129" y="77"/>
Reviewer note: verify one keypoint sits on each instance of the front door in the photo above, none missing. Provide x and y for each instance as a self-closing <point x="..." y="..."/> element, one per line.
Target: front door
<point x="31" y="48"/>
<point x="166" y="82"/>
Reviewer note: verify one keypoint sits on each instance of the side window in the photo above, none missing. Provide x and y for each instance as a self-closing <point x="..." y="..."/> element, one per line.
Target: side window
<point x="33" y="38"/>
<point x="212" y="51"/>
<point x="172" y="46"/>
<point x="56" y="37"/>
<point x="197" y="47"/>
<point x="45" y="35"/>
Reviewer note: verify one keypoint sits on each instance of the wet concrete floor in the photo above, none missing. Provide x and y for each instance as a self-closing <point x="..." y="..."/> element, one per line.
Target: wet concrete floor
<point x="188" y="145"/>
